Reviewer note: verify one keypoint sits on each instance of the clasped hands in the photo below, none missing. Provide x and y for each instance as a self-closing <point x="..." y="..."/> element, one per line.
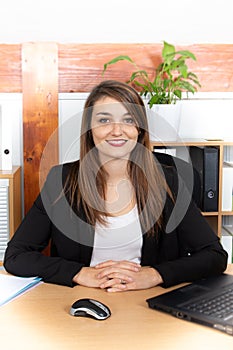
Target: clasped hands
<point x="116" y="276"/>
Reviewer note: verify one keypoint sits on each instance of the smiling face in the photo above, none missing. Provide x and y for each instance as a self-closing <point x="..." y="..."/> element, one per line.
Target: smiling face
<point x="114" y="129"/>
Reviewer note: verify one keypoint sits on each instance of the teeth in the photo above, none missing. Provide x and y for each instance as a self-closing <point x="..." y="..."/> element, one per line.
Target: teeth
<point x="116" y="142"/>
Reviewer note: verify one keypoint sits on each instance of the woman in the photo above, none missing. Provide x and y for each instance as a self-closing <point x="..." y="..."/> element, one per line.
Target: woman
<point x="107" y="215"/>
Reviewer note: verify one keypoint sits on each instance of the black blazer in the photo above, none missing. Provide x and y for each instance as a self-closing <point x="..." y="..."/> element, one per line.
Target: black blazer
<point x="186" y="249"/>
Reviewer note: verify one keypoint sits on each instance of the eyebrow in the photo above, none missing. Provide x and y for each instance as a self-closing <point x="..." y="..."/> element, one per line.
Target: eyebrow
<point x="103" y="113"/>
<point x="109" y="114"/>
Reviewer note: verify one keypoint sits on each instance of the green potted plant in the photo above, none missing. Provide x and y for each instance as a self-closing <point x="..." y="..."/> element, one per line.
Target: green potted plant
<point x="171" y="79"/>
<point x="172" y="76"/>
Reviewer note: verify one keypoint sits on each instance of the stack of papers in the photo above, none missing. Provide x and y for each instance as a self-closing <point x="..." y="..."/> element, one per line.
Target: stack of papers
<point x="12" y="286"/>
<point x="227" y="187"/>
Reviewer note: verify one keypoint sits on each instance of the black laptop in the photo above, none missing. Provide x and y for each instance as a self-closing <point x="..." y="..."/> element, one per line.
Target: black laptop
<point x="208" y="302"/>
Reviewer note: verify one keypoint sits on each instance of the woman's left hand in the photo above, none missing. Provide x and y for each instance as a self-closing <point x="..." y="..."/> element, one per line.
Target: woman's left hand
<point x="126" y="275"/>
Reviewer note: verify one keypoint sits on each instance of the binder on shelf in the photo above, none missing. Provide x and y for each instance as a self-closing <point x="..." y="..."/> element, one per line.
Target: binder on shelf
<point x="227" y="223"/>
<point x="227" y="243"/>
<point x="206" y="161"/>
<point x="167" y="150"/>
<point x="227" y="187"/>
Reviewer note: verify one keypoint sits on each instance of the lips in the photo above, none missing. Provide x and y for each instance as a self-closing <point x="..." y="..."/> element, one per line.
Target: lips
<point x="116" y="143"/>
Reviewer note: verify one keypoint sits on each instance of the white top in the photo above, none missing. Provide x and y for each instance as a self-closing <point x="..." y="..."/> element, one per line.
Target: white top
<point x="119" y="239"/>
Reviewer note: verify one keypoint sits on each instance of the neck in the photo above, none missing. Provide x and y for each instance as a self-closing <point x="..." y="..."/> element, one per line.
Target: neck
<point x="116" y="169"/>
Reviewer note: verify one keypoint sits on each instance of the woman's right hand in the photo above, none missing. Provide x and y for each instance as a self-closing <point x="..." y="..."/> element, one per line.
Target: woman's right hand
<point x="87" y="277"/>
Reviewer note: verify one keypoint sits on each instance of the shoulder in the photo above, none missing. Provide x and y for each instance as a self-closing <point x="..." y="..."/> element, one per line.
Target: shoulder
<point x="57" y="176"/>
<point x="62" y="170"/>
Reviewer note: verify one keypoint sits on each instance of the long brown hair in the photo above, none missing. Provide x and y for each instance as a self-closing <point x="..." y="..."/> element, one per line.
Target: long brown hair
<point x="145" y="175"/>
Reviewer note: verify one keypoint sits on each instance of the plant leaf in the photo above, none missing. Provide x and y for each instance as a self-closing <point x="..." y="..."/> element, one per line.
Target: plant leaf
<point x="186" y="54"/>
<point x="187" y="86"/>
<point x="138" y="73"/>
<point x="115" y="60"/>
<point x="166" y="83"/>
<point x="168" y="52"/>
<point x="183" y="69"/>
<point x="194" y="78"/>
<point x="178" y="93"/>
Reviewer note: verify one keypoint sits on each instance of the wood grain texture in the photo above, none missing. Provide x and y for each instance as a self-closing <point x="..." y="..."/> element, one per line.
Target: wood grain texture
<point x="10" y="68"/>
<point x="80" y="65"/>
<point x="40" y="115"/>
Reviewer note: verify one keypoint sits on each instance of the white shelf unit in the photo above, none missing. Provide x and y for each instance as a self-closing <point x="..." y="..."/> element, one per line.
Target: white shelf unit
<point x="225" y="147"/>
<point x="10" y="205"/>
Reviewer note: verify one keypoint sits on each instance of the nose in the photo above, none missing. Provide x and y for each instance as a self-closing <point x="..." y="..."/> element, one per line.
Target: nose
<point x="117" y="128"/>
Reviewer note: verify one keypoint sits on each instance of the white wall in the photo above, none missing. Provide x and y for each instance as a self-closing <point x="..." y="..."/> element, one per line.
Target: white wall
<point x="181" y="21"/>
<point x="208" y="115"/>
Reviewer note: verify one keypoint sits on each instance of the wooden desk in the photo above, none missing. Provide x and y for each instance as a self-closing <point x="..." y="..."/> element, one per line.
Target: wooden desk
<point x="40" y="319"/>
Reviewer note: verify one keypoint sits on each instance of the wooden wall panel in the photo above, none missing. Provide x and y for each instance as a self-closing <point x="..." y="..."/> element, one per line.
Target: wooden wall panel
<point x="40" y="114"/>
<point x="80" y="65"/>
<point x="214" y="66"/>
<point x="10" y="68"/>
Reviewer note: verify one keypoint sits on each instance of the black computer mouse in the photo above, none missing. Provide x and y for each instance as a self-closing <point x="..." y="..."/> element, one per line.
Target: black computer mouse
<point x="90" y="308"/>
